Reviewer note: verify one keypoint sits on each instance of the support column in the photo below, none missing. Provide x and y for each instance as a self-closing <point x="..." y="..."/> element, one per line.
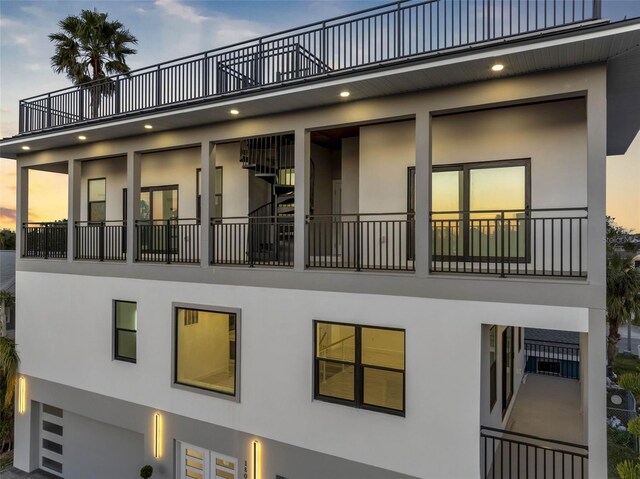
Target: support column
<point x="74" y="174"/>
<point x="207" y="199"/>
<point x="22" y="206"/>
<point x="302" y="152"/>
<point x="595" y="409"/>
<point x="423" y="193"/>
<point x="596" y="180"/>
<point x="26" y="433"/>
<point x="133" y="202"/>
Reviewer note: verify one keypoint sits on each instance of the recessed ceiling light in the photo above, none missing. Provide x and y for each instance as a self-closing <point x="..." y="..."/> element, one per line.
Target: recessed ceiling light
<point x="345" y="94"/>
<point x="234" y="112"/>
<point x="497" y="67"/>
<point x="148" y="127"/>
<point x="25" y="147"/>
<point x="82" y="137"/>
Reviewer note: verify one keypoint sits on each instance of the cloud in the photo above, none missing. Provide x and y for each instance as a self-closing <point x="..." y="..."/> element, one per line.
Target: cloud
<point x="140" y="10"/>
<point x="177" y="9"/>
<point x="33" y="67"/>
<point x="8" y="218"/>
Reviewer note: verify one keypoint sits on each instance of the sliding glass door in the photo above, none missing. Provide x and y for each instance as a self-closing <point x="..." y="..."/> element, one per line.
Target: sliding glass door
<point x="158" y="218"/>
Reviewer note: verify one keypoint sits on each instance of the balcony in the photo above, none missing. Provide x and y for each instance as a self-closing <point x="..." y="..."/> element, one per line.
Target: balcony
<point x="393" y="33"/>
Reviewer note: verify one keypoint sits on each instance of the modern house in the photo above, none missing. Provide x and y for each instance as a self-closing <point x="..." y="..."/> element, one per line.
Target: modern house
<point x="313" y="255"/>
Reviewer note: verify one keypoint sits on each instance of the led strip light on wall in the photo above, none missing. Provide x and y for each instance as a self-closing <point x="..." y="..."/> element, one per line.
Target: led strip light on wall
<point x="22" y="395"/>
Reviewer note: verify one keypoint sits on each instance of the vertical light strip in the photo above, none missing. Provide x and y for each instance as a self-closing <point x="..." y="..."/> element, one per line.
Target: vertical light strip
<point x="256" y="445"/>
<point x="157" y="448"/>
<point x="22" y="395"/>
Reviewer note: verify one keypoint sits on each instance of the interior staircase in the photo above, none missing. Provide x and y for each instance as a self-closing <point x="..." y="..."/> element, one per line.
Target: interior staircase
<point x="271" y="158"/>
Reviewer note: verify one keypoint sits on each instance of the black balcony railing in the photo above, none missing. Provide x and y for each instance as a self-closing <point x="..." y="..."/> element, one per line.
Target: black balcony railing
<point x="369" y="38"/>
<point x="508" y="454"/>
<point x="540" y="242"/>
<point x="44" y="240"/>
<point x="168" y="241"/>
<point x="551" y="358"/>
<point x="252" y="241"/>
<point x="101" y="241"/>
<point x="379" y="241"/>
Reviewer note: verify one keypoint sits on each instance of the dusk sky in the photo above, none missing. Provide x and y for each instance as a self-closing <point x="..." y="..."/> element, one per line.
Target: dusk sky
<point x="169" y="29"/>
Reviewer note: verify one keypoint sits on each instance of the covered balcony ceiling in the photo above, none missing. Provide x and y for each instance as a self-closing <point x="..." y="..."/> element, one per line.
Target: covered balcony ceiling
<point x="568" y="46"/>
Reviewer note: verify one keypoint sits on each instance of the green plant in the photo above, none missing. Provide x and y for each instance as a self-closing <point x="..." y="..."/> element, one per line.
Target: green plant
<point x="631" y="382"/>
<point x="633" y="426"/>
<point x="628" y="470"/>
<point x="146" y="472"/>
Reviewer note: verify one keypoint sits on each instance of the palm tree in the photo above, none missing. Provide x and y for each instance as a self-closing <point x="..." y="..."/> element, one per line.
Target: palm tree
<point x="623" y="298"/>
<point x="9" y="362"/>
<point x="7" y="300"/>
<point x="88" y="49"/>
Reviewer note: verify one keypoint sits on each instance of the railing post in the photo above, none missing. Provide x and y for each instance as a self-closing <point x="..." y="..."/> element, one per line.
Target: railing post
<point x="117" y="96"/>
<point x="323" y="44"/>
<point x="21" y="126"/>
<point x="46" y="241"/>
<point x="597" y="9"/>
<point x="502" y="241"/>
<point x="48" y="110"/>
<point x="398" y="32"/>
<point x="158" y="86"/>
<point x="167" y="240"/>
<point x="358" y="243"/>
<point x="101" y="240"/>
<point x="251" y="243"/>
<point x="80" y="104"/>
<point x="205" y="76"/>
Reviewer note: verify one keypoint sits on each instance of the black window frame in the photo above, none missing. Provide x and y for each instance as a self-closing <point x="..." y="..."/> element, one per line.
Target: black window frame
<point x="235" y="396"/>
<point x="465" y="168"/>
<point x="90" y="203"/>
<point x="358" y="401"/>
<point x="116" y="329"/>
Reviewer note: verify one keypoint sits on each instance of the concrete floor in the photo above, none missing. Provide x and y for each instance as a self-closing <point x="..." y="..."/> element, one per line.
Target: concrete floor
<point x="549" y="407"/>
<point x="16" y="474"/>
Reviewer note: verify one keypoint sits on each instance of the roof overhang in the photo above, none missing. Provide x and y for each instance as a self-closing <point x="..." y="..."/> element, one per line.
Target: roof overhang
<point x="594" y="42"/>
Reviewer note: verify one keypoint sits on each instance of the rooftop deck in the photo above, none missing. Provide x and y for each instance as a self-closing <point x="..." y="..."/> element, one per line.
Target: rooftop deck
<point x="397" y="32"/>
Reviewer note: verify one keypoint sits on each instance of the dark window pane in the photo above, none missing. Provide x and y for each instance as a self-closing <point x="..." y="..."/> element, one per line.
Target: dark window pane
<point x="54" y="411"/>
<point x="52" y="446"/>
<point x="126" y="345"/>
<point x="52" y="428"/>
<point x="336" y="380"/>
<point x="97" y="211"/>
<point x="51" y="464"/>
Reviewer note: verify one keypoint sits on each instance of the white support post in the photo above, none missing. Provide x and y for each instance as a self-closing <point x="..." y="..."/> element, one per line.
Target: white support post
<point x="22" y="206"/>
<point x="302" y="153"/>
<point x="423" y="193"/>
<point x="207" y="199"/>
<point x="74" y="174"/>
<point x="133" y="202"/>
<point x="595" y="409"/>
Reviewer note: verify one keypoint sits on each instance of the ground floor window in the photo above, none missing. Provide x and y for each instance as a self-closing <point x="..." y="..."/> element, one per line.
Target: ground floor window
<point x="360" y="366"/>
<point x="206" y="349"/>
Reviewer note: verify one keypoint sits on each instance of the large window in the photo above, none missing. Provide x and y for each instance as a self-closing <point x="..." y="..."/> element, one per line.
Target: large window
<point x="480" y="209"/>
<point x="126" y="325"/>
<point x="360" y="366"/>
<point x="97" y="194"/>
<point x="206" y="349"/>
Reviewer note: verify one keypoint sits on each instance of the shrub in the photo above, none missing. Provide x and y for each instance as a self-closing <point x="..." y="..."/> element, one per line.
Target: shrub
<point x="633" y="426"/>
<point x="146" y="472"/>
<point x="628" y="470"/>
<point x="631" y="382"/>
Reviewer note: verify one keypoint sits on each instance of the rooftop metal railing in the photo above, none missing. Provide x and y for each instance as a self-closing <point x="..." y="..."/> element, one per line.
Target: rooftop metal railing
<point x="372" y="37"/>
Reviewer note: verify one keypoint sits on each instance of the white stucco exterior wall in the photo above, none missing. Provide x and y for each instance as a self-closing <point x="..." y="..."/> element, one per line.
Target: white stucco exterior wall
<point x="443" y="351"/>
